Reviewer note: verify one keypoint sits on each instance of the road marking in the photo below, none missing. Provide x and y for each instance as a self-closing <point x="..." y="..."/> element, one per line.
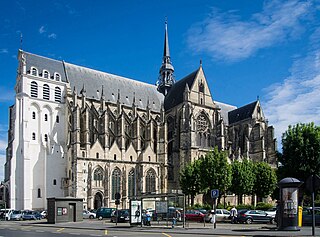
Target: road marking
<point x="60" y="230"/>
<point x="106" y="232"/>
<point x="40" y="231"/>
<point x="166" y="235"/>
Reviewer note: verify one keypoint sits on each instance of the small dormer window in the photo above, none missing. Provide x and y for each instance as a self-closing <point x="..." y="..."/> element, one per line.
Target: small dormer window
<point x="46" y="74"/>
<point x="45" y="117"/>
<point x="57" y="76"/>
<point x="34" y="71"/>
<point x="45" y="137"/>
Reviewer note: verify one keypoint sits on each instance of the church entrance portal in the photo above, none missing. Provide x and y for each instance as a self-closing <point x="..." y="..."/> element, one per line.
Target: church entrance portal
<point x="97" y="200"/>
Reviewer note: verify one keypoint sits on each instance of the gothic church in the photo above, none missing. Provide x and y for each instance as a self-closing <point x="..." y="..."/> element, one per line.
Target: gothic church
<point x="75" y="131"/>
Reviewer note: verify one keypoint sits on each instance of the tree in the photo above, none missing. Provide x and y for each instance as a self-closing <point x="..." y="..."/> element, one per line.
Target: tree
<point x="265" y="181"/>
<point x="243" y="178"/>
<point x="300" y="151"/>
<point x="215" y="171"/>
<point x="190" y="180"/>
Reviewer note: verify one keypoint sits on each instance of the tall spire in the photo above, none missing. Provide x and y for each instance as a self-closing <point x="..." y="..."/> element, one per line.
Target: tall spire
<point x="166" y="77"/>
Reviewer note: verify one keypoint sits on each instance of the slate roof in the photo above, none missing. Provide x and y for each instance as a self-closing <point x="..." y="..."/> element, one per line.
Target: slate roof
<point x="175" y="95"/>
<point x="225" y="109"/>
<point x="242" y="113"/>
<point x="93" y="81"/>
<point x="43" y="63"/>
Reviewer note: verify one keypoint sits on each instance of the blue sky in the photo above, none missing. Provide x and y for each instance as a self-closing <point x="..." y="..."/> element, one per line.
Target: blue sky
<point x="269" y="49"/>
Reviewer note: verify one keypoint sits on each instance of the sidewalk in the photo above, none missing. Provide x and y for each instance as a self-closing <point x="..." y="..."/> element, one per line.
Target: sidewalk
<point x="191" y="229"/>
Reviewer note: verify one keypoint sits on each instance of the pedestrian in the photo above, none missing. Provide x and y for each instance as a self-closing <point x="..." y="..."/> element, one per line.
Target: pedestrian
<point x="233" y="214"/>
<point x="148" y="218"/>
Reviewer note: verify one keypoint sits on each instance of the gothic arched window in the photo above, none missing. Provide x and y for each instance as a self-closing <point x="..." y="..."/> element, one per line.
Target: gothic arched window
<point x="203" y="131"/>
<point x="34" y="89"/>
<point x="57" y="94"/>
<point x="131" y="183"/>
<point x="150" y="181"/>
<point x="98" y="176"/>
<point x="116" y="179"/>
<point x="46" y="92"/>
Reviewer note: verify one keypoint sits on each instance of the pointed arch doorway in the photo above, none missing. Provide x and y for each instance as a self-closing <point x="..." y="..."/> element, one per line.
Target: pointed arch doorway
<point x="98" y="200"/>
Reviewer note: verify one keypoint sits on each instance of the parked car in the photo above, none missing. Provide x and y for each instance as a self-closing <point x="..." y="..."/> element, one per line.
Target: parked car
<point x="221" y="215"/>
<point x="31" y="215"/>
<point x="104" y="212"/>
<point x="16" y="215"/>
<point x="44" y="214"/>
<point x="251" y="216"/>
<point x="6" y="213"/>
<point x="88" y="214"/>
<point x="307" y="216"/>
<point x="194" y="215"/>
<point x="272" y="211"/>
<point x="123" y="215"/>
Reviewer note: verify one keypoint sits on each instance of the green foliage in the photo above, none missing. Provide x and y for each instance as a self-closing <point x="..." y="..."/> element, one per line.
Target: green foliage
<point x="215" y="171"/>
<point x="265" y="181"/>
<point x="243" y="177"/>
<point x="301" y="151"/>
<point x="263" y="206"/>
<point x="190" y="179"/>
<point x="243" y="206"/>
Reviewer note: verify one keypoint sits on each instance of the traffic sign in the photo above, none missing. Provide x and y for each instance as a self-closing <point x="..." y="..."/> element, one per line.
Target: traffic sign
<point x="215" y="193"/>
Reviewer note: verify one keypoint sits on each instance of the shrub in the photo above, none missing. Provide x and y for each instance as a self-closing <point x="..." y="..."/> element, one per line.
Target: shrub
<point x="243" y="206"/>
<point x="263" y="206"/>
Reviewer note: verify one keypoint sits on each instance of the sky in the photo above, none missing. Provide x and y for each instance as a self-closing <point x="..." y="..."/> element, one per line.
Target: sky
<point x="266" y="49"/>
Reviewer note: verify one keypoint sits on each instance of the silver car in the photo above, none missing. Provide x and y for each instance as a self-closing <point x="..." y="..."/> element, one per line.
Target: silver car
<point x="87" y="214"/>
<point x="16" y="216"/>
<point x="221" y="215"/>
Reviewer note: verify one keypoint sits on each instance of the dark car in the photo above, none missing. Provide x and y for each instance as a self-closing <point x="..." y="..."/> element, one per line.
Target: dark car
<point x="31" y="215"/>
<point x="194" y="215"/>
<point x="250" y="216"/>
<point x="123" y="215"/>
<point x="307" y="216"/>
<point x="104" y="212"/>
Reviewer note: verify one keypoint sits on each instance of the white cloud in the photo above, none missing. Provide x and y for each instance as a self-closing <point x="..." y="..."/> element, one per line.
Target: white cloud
<point x="225" y="36"/>
<point x="4" y="51"/>
<point x="297" y="98"/>
<point x="42" y="30"/>
<point x="53" y="36"/>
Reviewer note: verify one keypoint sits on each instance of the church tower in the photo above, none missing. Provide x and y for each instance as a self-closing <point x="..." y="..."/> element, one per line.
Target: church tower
<point x="166" y="77"/>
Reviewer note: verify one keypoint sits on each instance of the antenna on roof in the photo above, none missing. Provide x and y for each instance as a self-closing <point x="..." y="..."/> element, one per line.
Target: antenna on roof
<point x="20" y="40"/>
<point x="258" y="97"/>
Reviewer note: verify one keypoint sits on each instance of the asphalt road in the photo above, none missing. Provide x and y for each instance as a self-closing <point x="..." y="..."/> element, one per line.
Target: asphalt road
<point x="105" y="228"/>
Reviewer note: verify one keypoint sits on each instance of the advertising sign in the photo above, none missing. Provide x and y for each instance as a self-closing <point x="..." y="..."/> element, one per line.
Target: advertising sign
<point x="135" y="212"/>
<point x="161" y="207"/>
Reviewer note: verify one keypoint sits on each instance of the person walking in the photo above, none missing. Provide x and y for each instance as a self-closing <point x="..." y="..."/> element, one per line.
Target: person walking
<point x="233" y="214"/>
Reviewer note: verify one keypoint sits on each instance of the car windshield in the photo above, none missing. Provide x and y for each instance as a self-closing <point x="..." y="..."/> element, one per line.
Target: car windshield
<point x="16" y="212"/>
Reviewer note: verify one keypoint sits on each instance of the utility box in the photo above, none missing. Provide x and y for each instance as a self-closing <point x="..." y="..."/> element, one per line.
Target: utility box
<point x="64" y="209"/>
<point x="288" y="204"/>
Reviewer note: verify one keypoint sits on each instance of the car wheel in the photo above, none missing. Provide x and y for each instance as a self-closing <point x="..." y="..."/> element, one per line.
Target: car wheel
<point x="249" y="221"/>
<point x="100" y="217"/>
<point x="91" y="217"/>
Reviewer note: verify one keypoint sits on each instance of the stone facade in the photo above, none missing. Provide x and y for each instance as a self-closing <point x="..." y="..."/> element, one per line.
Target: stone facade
<point x="84" y="133"/>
